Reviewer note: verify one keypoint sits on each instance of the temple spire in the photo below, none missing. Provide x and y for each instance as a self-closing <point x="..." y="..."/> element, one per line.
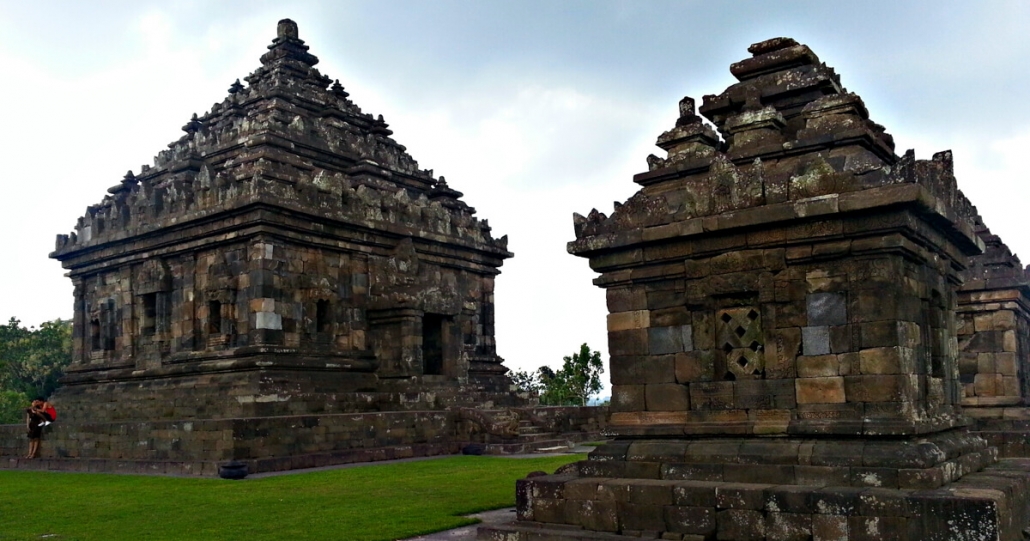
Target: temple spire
<point x="287" y="45"/>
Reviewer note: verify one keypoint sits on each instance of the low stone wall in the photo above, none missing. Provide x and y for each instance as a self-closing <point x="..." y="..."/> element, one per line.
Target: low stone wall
<point x="266" y="443"/>
<point x="566" y="419"/>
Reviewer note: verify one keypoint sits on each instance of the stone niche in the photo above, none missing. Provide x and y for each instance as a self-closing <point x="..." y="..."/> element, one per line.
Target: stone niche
<point x="285" y="256"/>
<point x="994" y="346"/>
<point x="782" y="296"/>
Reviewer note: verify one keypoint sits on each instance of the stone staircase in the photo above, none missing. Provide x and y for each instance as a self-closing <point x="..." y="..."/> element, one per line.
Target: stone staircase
<point x="532" y="439"/>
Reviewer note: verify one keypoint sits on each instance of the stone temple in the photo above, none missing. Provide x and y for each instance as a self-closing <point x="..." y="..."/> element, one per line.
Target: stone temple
<point x="282" y="263"/>
<point x="797" y="316"/>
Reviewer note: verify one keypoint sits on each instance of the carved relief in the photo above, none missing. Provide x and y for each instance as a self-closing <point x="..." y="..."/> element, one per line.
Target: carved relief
<point x="739" y="336"/>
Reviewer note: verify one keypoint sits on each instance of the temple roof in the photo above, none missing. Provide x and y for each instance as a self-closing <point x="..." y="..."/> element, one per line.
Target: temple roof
<point x="290" y="137"/>
<point x="786" y="132"/>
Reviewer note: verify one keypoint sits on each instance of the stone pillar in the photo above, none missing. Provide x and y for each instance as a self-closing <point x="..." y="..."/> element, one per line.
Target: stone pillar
<point x="265" y="322"/>
<point x="397" y="341"/>
<point x="782" y="335"/>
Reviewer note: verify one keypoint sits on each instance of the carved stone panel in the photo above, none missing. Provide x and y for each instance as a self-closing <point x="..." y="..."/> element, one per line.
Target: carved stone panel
<point x="739" y="336"/>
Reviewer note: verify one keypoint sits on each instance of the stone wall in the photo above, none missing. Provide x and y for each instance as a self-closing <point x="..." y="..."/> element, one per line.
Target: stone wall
<point x="994" y="344"/>
<point x="280" y="442"/>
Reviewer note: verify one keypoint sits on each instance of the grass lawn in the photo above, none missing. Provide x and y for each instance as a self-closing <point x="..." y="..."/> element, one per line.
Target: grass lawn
<point x="386" y="502"/>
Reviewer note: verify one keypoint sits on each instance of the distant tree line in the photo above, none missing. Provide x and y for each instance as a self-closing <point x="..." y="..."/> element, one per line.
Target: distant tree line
<point x="573" y="384"/>
<point x="32" y="360"/>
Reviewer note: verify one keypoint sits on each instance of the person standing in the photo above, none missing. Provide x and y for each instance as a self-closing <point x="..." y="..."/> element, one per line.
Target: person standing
<point x="34" y="420"/>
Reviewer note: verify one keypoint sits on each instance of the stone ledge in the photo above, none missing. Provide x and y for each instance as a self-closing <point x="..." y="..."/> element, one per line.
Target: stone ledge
<point x="992" y="504"/>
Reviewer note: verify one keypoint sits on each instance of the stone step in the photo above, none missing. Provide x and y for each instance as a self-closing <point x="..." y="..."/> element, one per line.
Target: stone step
<point x="541" y="446"/>
<point x="538" y="436"/>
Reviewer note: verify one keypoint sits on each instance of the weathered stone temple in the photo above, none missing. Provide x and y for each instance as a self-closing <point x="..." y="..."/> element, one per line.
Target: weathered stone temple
<point x="994" y="346"/>
<point x="282" y="263"/>
<point x="784" y="295"/>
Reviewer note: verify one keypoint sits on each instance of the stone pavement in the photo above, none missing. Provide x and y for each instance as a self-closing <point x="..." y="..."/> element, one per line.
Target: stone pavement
<point x="468" y="533"/>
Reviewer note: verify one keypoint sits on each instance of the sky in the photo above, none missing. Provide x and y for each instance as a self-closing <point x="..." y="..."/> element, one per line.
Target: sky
<point x="533" y="109"/>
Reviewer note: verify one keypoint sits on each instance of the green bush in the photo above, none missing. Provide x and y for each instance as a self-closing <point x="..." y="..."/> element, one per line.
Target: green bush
<point x="12" y="407"/>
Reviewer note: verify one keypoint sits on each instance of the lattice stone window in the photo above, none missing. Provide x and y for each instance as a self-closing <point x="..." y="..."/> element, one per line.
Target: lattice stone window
<point x="739" y="336"/>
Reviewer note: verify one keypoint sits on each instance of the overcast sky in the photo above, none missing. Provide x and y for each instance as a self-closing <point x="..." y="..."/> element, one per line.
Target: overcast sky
<point x="535" y="110"/>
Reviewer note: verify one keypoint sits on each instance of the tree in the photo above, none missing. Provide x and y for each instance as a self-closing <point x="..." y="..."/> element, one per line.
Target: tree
<point x="12" y="406"/>
<point x="582" y="372"/>
<point x="32" y="360"/>
<point x="575" y="382"/>
<point x="524" y="381"/>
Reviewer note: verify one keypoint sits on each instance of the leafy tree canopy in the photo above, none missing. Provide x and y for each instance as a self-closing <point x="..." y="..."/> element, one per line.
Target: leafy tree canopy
<point x="574" y="383"/>
<point x="31" y="359"/>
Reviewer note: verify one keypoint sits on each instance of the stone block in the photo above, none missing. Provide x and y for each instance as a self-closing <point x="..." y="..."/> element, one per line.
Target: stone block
<point x="815" y="366"/>
<point x="740" y="524"/>
<point x="830" y="528"/>
<point x="630" y="342"/>
<point x="788" y="526"/>
<point x="641" y="517"/>
<point x="627" y="398"/>
<point x="712" y="395"/>
<point x="648" y="492"/>
<point x="622" y="321"/>
<point x="667" y="397"/>
<point x="877" y="528"/>
<point x="626" y="299"/>
<point x="742" y="496"/>
<point x="268" y="320"/>
<point x="761" y="394"/>
<point x="670" y="317"/>
<point x="642" y="369"/>
<point x="887" y="360"/>
<point x="815" y="340"/>
<point x="781" y="350"/>
<point x="690" y="520"/>
<point x="827" y="309"/>
<point x="820" y="390"/>
<point x="694" y="494"/>
<point x="1006" y="364"/>
<point x="599" y="516"/>
<point x="883" y="388"/>
<point x="665" y="340"/>
<point x="694" y="366"/>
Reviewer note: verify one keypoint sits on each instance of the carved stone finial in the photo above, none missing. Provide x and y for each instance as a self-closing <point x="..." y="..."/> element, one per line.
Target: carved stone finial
<point x="287" y="29"/>
<point x="687" y="107"/>
<point x="236" y="87"/>
<point x="287" y="46"/>
<point x="381" y="127"/>
<point x="128" y="181"/>
<point x="193" y="125"/>
<point x="687" y="112"/>
<point x="337" y="89"/>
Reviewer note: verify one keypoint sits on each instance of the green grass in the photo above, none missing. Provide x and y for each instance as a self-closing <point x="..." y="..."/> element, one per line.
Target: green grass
<point x="386" y="502"/>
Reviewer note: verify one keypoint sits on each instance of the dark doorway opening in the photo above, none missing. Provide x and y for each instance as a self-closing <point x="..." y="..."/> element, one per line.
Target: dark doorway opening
<point x="148" y="326"/>
<point x="432" y="344"/>
<point x="322" y="316"/>
<point x="214" y="317"/>
<point x="96" y="343"/>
